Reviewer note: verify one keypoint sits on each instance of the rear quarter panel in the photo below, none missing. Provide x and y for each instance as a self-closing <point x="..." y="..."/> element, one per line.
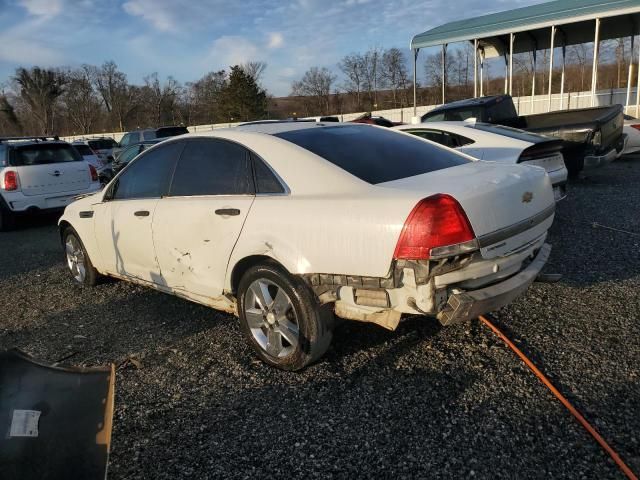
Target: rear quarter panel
<point x="339" y="234"/>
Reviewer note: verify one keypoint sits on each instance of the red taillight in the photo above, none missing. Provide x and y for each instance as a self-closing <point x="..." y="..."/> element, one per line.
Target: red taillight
<point x="94" y="173"/>
<point x="10" y="181"/>
<point x="435" y="222"/>
<point x="637" y="126"/>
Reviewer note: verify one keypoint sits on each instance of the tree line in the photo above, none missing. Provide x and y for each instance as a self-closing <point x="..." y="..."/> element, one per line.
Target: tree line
<point x="92" y="99"/>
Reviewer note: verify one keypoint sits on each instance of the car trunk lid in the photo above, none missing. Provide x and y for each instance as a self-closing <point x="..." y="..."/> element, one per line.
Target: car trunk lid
<point x="508" y="206"/>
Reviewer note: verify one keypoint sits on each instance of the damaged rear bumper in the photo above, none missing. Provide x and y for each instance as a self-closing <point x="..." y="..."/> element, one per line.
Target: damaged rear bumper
<point x="467" y="305"/>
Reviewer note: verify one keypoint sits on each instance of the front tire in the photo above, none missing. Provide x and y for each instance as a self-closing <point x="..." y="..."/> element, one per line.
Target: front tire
<point x="78" y="260"/>
<point x="281" y="318"/>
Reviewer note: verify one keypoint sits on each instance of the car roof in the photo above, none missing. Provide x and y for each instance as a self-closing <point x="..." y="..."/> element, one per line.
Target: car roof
<point x="273" y="128"/>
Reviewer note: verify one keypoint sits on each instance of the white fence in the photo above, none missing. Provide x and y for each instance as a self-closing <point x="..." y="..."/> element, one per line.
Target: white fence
<point x="524" y="105"/>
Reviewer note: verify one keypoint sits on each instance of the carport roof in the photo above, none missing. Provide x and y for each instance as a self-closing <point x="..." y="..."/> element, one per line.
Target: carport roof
<point x="574" y="16"/>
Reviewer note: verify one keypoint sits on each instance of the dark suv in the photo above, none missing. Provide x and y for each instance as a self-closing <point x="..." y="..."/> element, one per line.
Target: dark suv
<point x="138" y="136"/>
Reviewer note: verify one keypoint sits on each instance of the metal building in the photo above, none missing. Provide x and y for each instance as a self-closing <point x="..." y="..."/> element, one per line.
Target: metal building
<point x="551" y="25"/>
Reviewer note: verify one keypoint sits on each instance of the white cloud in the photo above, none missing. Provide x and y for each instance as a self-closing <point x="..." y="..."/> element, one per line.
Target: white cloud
<point x="153" y="13"/>
<point x="20" y="45"/>
<point x="42" y="7"/>
<point x="232" y="50"/>
<point x="276" y="40"/>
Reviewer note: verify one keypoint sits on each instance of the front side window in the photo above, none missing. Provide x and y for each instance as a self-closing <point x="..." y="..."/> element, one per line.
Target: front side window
<point x="212" y="167"/>
<point x="126" y="140"/>
<point x="129" y="154"/>
<point x="435" y="117"/>
<point x="149" y="175"/>
<point x="374" y="155"/>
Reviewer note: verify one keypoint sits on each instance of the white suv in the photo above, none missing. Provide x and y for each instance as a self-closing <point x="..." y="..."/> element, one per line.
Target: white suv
<point x="40" y="174"/>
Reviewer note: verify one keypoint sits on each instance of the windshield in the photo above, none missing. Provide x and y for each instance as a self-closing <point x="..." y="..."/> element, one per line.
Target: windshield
<point x="83" y="149"/>
<point x="102" y="144"/>
<point x="372" y="154"/>
<point x="509" y="132"/>
<point x="170" y="131"/>
<point x="43" y="154"/>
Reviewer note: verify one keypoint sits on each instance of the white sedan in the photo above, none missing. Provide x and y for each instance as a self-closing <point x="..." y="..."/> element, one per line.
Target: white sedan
<point x="632" y="129"/>
<point x="498" y="143"/>
<point x="284" y="224"/>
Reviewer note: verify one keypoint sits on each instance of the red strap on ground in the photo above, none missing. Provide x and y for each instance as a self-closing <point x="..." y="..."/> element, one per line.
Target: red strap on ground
<point x="612" y="453"/>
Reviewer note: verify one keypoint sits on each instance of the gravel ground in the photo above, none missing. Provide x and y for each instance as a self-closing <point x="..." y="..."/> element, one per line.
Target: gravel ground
<point x="423" y="401"/>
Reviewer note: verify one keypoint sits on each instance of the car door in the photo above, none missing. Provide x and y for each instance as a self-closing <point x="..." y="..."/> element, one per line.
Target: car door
<point x="123" y="220"/>
<point x="197" y="225"/>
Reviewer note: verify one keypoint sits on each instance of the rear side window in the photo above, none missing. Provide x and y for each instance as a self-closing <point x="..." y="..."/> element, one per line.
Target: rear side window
<point x="212" y="167"/>
<point x="148" y="135"/>
<point x="83" y="149"/>
<point x="372" y="154"/>
<point x="148" y="176"/>
<point x="265" y="180"/>
<point x="44" y="154"/>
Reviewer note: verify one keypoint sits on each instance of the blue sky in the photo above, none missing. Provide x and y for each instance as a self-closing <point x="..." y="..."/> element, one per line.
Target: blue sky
<point x="187" y="38"/>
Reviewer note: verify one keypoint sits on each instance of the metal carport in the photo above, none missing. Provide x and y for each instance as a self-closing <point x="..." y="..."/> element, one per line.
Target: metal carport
<point x="547" y="25"/>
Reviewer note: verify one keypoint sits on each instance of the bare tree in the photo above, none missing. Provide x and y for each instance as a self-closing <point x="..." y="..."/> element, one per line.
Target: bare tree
<point x="81" y="103"/>
<point x="162" y="97"/>
<point x="316" y="85"/>
<point x="40" y="89"/>
<point x="371" y="68"/>
<point x="393" y="71"/>
<point x="118" y="96"/>
<point x="353" y="68"/>
<point x="254" y="69"/>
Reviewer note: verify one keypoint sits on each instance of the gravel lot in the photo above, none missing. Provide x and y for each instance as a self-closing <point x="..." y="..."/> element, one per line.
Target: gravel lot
<point x="421" y="402"/>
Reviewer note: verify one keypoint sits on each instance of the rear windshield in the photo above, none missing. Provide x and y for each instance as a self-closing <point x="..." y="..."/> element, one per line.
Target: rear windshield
<point x="103" y="144"/>
<point x="372" y="154"/>
<point x="44" y="154"/>
<point x="509" y="132"/>
<point x="83" y="149"/>
<point x="170" y="131"/>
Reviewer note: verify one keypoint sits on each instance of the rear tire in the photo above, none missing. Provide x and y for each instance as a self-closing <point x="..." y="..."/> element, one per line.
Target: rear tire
<point x="281" y="318"/>
<point x="78" y="260"/>
<point x="7" y="220"/>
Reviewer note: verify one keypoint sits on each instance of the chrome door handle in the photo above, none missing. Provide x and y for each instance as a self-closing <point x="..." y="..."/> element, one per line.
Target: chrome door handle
<point x="141" y="213"/>
<point x="232" y="212"/>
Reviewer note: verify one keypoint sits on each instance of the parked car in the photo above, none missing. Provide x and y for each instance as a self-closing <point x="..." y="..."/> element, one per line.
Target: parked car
<point x="286" y="223"/>
<point x="139" y="136"/>
<point x="375" y="120"/>
<point x="591" y="136"/>
<point x="131" y="152"/>
<point x="39" y="175"/>
<point x="632" y="130"/>
<point x="498" y="143"/>
<point x="103" y="147"/>
<point x="101" y="164"/>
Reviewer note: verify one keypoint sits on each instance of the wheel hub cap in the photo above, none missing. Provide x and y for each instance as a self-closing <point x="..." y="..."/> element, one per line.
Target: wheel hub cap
<point x="271" y="318"/>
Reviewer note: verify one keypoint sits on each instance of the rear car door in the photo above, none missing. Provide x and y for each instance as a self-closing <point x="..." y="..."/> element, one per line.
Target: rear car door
<point x="123" y="220"/>
<point x="197" y="225"/>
